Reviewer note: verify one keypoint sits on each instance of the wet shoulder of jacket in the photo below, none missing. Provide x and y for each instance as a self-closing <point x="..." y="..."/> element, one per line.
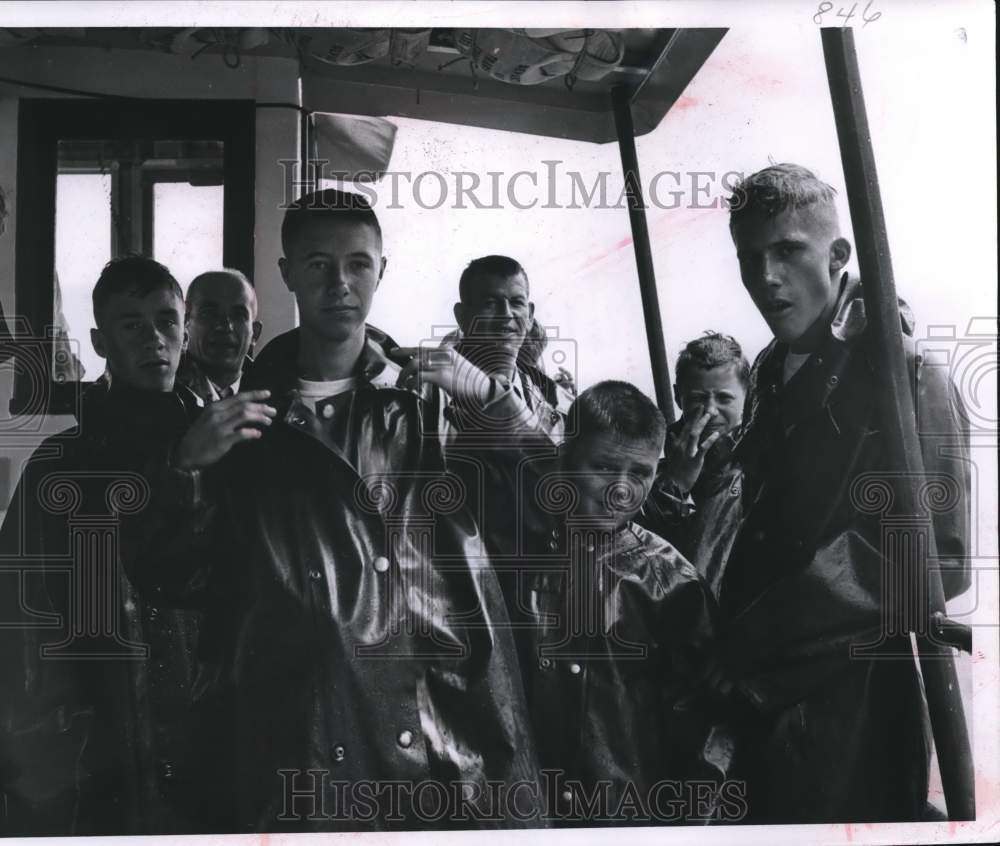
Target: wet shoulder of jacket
<point x="647" y="557"/>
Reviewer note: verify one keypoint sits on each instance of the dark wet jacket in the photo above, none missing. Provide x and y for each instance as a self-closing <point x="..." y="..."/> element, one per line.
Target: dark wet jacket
<point x="703" y="522"/>
<point x="613" y="625"/>
<point x="89" y="732"/>
<point x="622" y="623"/>
<point x="831" y="737"/>
<point x="353" y="625"/>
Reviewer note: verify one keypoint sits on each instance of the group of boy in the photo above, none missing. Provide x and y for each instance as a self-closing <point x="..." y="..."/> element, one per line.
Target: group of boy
<point x="376" y="587"/>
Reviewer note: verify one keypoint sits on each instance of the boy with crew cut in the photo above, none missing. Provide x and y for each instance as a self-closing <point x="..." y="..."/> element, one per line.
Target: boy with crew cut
<point x="354" y="637"/>
<point x="828" y="736"/>
<point x="695" y="502"/>
<point x="613" y="622"/>
<point x="96" y="678"/>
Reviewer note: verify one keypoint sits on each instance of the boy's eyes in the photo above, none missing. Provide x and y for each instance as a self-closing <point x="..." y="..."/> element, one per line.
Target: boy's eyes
<point x="324" y="264"/>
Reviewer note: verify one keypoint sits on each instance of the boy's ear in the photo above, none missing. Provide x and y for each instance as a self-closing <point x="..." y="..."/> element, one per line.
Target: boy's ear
<point x="840" y="254"/>
<point x="531" y="311"/>
<point x="678" y="398"/>
<point x="381" y="271"/>
<point x="459" y="311"/>
<point x="97" y="340"/>
<point x="257" y="328"/>
<point x="283" y="268"/>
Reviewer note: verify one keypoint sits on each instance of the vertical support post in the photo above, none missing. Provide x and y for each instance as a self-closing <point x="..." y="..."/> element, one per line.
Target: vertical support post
<point x="621" y="102"/>
<point x="897" y="404"/>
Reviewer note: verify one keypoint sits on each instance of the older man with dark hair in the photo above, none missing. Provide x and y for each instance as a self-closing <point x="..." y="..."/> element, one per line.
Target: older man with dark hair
<point x="498" y="332"/>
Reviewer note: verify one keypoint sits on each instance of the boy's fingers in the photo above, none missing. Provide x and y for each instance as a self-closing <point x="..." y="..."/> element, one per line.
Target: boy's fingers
<point x="711" y="439"/>
<point x="238" y="409"/>
<point x="238" y="436"/>
<point x="250" y="418"/>
<point x="700" y="423"/>
<point x="685" y="432"/>
<point x="244" y="396"/>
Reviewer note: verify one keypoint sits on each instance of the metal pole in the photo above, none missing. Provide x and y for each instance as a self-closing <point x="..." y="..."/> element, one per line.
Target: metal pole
<point x="621" y="101"/>
<point x="896" y="402"/>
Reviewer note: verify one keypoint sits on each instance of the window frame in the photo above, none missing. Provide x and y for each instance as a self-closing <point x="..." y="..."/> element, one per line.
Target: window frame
<point x="42" y="123"/>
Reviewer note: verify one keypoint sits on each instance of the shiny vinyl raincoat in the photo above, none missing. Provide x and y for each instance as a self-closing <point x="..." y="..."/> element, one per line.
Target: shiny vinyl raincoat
<point x="89" y="732"/>
<point x="355" y="635"/>
<point x="832" y="737"/>
<point x="701" y="524"/>
<point x="619" y="625"/>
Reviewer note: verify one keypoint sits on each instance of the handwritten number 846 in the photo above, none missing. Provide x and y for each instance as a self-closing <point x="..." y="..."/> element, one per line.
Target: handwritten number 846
<point x="825" y="7"/>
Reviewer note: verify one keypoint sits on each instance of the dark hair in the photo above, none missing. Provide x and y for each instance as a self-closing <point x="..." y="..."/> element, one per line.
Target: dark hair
<point x="774" y="189"/>
<point x="137" y="275"/>
<point x="616" y="408"/>
<point x="712" y="350"/>
<point x="330" y="203"/>
<point x="488" y="266"/>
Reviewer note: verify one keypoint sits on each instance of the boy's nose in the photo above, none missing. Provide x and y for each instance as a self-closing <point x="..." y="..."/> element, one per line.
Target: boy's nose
<point x="336" y="283"/>
<point x="769" y="272"/>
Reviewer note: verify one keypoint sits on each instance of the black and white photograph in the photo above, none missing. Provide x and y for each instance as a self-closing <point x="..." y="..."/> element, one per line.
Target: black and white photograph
<point x="467" y="420"/>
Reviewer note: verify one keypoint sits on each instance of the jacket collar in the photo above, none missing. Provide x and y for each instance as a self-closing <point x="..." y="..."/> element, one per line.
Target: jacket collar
<point x="191" y="374"/>
<point x="107" y="411"/>
<point x="277" y="370"/>
<point x="813" y="385"/>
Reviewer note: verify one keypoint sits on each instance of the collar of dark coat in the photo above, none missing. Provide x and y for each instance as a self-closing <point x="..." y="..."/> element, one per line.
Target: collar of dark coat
<point x="813" y="385"/>
<point x="191" y="374"/>
<point x="108" y="413"/>
<point x="548" y="387"/>
<point x="276" y="368"/>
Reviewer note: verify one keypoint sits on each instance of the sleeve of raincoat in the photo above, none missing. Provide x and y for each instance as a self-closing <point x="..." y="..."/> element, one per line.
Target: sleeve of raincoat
<point x="44" y="721"/>
<point x="166" y="548"/>
<point x="667" y="510"/>
<point x="943" y="429"/>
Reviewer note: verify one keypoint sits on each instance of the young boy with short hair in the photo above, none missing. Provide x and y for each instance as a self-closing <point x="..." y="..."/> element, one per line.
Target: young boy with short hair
<point x="355" y="644"/>
<point x="695" y="502"/>
<point x="614" y="619"/>
<point x="93" y="692"/>
<point x="831" y="735"/>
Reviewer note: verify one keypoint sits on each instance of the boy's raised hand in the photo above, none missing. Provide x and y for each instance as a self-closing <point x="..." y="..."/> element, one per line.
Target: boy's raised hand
<point x="221" y="426"/>
<point x="686" y="450"/>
